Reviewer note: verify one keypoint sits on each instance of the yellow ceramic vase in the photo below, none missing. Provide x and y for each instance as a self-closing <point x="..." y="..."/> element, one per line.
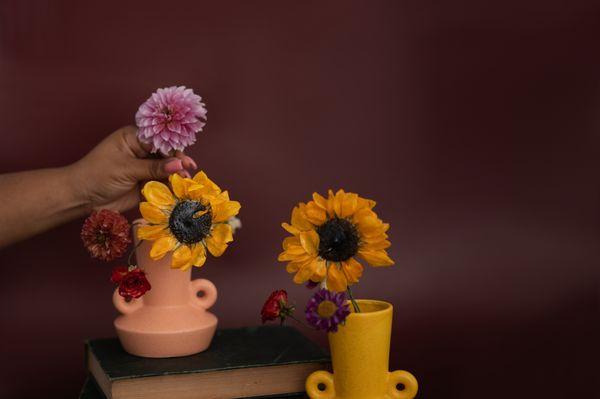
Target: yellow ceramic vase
<point x="360" y="352"/>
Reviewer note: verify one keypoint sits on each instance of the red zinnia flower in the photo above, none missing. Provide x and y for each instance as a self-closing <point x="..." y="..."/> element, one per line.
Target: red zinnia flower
<point x="132" y="282"/>
<point x="276" y="306"/>
<point x="105" y="234"/>
<point x="118" y="273"/>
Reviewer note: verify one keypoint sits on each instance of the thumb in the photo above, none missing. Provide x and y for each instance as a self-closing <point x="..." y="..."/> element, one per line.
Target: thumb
<point x="155" y="169"/>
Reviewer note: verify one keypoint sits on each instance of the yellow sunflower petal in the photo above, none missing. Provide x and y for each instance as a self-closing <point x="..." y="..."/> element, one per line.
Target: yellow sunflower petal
<point x="291" y="253"/>
<point x="197" y="192"/>
<point x="180" y="185"/>
<point x="299" y="220"/>
<point x="152" y="232"/>
<point x="376" y="245"/>
<point x="198" y="255"/>
<point x="297" y="263"/>
<point x="315" y="214"/>
<point x="182" y="257"/>
<point x="320" y="200"/>
<point x="158" y="193"/>
<point x="152" y="213"/>
<point x="365" y="203"/>
<point x="363" y="214"/>
<point x="336" y="280"/>
<point x="337" y="202"/>
<point x="291" y="242"/>
<point x="376" y="258"/>
<point x="330" y="202"/>
<point x="352" y="270"/>
<point x="292" y="267"/>
<point x="349" y="205"/>
<point x="290" y="229"/>
<point x="310" y="242"/>
<point x="201" y="178"/>
<point x="224" y="210"/>
<point x="306" y="270"/>
<point x="320" y="271"/>
<point x="368" y="224"/>
<point x="216" y="248"/>
<point x="222" y="233"/>
<point x="162" y="246"/>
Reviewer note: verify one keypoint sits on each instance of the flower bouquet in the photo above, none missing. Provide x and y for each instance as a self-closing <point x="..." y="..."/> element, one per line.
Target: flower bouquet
<point x="327" y="237"/>
<point x="161" y="312"/>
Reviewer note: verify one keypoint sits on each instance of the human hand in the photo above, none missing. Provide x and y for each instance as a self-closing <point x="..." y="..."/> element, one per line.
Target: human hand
<point x="109" y="175"/>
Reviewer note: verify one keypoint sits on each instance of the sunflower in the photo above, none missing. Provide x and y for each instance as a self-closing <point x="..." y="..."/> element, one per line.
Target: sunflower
<point x="188" y="221"/>
<point x="327" y="236"/>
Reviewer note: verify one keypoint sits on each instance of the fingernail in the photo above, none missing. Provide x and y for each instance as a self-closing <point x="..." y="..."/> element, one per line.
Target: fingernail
<point x="185" y="173"/>
<point x="173" y="166"/>
<point x="194" y="166"/>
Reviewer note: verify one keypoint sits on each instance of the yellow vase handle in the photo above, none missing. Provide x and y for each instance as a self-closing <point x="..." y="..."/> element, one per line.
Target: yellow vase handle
<point x="407" y="380"/>
<point x="323" y="378"/>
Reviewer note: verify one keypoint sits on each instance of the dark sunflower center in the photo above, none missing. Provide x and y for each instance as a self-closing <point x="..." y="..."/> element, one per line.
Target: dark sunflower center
<point x="185" y="223"/>
<point x="338" y="240"/>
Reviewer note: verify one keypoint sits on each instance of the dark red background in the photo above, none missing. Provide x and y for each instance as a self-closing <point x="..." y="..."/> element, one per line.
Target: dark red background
<point x="474" y="124"/>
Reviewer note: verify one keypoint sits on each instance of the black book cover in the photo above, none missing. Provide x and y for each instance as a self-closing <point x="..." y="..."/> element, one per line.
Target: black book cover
<point x="230" y="349"/>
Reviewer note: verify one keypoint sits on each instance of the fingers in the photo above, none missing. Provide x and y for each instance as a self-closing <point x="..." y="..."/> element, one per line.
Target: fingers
<point x="140" y="150"/>
<point x="188" y="162"/>
<point x="156" y="169"/>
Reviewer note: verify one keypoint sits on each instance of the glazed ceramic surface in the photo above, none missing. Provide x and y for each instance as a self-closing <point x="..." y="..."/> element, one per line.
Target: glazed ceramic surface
<point x="360" y="352"/>
<point x="169" y="320"/>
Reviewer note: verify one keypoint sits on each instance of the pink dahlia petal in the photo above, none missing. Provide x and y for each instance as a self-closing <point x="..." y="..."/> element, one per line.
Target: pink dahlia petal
<point x="170" y="119"/>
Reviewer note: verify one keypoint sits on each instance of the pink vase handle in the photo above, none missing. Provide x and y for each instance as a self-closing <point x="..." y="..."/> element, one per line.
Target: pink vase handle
<point x="126" y="307"/>
<point x="210" y="293"/>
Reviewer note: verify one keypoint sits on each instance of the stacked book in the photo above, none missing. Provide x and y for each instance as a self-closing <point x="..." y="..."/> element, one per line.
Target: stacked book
<point x="240" y="363"/>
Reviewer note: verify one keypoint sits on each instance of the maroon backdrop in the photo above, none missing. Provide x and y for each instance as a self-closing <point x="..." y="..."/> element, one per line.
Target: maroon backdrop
<point x="474" y="124"/>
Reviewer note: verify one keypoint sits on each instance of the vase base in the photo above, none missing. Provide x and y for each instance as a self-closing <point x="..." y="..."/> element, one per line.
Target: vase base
<point x="153" y="340"/>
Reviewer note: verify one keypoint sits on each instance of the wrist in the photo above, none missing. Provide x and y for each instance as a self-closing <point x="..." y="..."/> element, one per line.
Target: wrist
<point x="75" y="194"/>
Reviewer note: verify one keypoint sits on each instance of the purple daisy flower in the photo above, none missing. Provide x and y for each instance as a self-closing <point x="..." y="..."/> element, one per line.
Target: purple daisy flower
<point x="327" y="309"/>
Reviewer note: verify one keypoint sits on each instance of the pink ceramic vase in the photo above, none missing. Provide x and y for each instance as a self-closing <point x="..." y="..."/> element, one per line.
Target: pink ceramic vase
<point x="169" y="320"/>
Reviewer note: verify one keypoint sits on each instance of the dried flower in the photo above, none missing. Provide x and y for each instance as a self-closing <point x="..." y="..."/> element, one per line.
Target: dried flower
<point x="276" y="306"/>
<point x="188" y="221"/>
<point x="327" y="309"/>
<point x="105" y="234"/>
<point x="328" y="234"/>
<point x="132" y="281"/>
<point x="170" y="119"/>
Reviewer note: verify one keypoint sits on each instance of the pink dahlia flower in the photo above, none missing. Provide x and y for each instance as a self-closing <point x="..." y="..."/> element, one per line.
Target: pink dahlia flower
<point x="170" y="119"/>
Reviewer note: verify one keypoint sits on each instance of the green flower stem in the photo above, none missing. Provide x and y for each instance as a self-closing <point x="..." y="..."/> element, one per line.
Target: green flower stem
<point x="132" y="252"/>
<point x="354" y="303"/>
<point x="298" y="321"/>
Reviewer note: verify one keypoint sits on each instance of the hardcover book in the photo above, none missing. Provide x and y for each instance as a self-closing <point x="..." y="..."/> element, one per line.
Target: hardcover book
<point x="90" y="390"/>
<point x="240" y="363"/>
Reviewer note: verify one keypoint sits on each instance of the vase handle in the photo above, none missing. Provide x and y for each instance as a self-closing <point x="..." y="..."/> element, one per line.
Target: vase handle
<point x="319" y="379"/>
<point x="407" y="380"/>
<point x="126" y="307"/>
<point x="210" y="293"/>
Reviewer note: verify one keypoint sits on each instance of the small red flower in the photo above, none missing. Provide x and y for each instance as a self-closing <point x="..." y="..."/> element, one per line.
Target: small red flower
<point x="118" y="273"/>
<point x="105" y="234"/>
<point x="132" y="282"/>
<point x="276" y="306"/>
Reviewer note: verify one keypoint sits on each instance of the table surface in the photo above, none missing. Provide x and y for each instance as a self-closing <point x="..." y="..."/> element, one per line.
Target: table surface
<point x="91" y="390"/>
